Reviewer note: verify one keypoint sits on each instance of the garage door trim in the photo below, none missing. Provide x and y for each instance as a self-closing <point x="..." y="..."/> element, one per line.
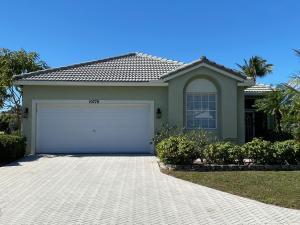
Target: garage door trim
<point x="87" y="102"/>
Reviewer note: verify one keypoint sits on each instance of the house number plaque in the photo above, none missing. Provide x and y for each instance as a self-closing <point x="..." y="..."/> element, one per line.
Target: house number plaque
<point x="94" y="101"/>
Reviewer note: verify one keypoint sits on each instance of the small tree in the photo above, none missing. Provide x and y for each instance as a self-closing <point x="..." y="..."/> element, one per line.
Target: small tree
<point x="256" y="67"/>
<point x="15" y="63"/>
<point x="272" y="104"/>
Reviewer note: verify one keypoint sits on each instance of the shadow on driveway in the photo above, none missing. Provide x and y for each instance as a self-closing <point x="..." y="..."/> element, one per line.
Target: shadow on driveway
<point x="36" y="157"/>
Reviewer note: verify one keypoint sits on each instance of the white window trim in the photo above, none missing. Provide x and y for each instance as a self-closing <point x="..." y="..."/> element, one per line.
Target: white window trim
<point x="186" y="115"/>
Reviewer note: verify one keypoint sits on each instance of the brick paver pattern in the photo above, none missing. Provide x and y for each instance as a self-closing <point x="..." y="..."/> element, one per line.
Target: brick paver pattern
<point x="91" y="189"/>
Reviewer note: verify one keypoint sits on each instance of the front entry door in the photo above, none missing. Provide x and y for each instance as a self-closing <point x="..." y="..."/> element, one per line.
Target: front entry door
<point x="249" y="122"/>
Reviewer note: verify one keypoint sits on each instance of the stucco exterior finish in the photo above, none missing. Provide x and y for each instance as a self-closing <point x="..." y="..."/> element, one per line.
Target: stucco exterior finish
<point x="229" y="102"/>
<point x="157" y="94"/>
<point x="170" y="99"/>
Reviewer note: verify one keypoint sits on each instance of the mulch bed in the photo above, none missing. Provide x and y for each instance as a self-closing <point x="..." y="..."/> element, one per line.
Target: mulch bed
<point x="231" y="167"/>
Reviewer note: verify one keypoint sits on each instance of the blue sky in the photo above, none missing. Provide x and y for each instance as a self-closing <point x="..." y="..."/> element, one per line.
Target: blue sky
<point x="68" y="32"/>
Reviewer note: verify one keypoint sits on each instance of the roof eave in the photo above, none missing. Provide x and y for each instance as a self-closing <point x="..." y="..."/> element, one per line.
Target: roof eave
<point x="88" y="83"/>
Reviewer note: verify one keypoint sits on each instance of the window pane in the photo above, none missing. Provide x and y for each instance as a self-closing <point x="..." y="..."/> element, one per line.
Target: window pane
<point x="197" y="105"/>
<point x="189" y="105"/>
<point x="196" y="123"/>
<point x="212" y="115"/>
<point x="212" y="106"/>
<point x="204" y="105"/>
<point x="212" y="124"/>
<point x="204" y="123"/>
<point x="189" y="123"/>
<point x="212" y="97"/>
<point x="197" y="98"/>
<point x="204" y="97"/>
<point x="189" y="98"/>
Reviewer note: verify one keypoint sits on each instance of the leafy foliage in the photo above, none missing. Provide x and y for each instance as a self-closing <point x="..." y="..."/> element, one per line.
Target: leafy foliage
<point x="12" y="147"/>
<point x="286" y="151"/>
<point x="256" y="67"/>
<point x="260" y="151"/>
<point x="6" y="120"/>
<point x="272" y="104"/>
<point x="223" y="153"/>
<point x="15" y="63"/>
<point x="176" y="150"/>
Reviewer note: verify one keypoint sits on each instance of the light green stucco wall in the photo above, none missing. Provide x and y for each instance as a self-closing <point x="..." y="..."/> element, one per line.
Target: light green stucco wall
<point x="157" y="94"/>
<point x="170" y="99"/>
<point x="229" y="104"/>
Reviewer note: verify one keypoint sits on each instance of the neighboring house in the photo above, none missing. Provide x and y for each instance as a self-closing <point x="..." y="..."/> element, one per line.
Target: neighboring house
<point x="115" y="105"/>
<point x="257" y="124"/>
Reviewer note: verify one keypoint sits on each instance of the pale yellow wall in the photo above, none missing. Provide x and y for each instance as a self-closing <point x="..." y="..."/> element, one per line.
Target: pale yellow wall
<point x="157" y="94"/>
<point x="227" y="97"/>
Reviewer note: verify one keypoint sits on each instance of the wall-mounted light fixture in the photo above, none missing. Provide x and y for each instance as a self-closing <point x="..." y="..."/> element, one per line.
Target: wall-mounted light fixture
<point x="25" y="112"/>
<point x="158" y="113"/>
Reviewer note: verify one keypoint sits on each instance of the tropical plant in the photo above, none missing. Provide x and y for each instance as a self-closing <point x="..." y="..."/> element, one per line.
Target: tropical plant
<point x="291" y="118"/>
<point x="15" y="63"/>
<point x="272" y="103"/>
<point x="256" y="67"/>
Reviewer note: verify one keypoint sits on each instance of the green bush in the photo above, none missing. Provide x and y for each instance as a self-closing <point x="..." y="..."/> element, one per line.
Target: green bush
<point x="12" y="147"/>
<point x="260" y="151"/>
<point x="8" y="122"/>
<point x="165" y="132"/>
<point x="201" y="139"/>
<point x="286" y="151"/>
<point x="223" y="153"/>
<point x="176" y="150"/>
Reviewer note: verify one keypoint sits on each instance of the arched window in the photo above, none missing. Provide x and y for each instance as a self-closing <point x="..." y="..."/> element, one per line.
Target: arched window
<point x="201" y="105"/>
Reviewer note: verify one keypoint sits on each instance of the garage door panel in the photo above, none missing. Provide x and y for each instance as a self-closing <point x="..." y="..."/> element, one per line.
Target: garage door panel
<point x="103" y="129"/>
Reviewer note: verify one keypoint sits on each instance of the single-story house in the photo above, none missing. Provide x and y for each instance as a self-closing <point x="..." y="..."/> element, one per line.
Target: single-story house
<point x="115" y="105"/>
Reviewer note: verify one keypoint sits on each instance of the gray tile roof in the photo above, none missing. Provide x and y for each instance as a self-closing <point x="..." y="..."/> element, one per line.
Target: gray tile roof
<point x="258" y="89"/>
<point x="206" y="61"/>
<point x="132" y="67"/>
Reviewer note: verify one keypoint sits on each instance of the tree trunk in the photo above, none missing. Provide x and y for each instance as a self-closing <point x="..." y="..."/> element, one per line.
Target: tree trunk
<point x="278" y="117"/>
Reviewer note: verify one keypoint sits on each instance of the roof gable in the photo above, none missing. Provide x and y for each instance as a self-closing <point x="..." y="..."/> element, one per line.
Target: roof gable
<point x="203" y="62"/>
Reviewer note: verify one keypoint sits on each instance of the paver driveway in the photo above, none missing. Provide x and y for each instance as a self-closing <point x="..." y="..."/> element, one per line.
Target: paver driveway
<point x="119" y="190"/>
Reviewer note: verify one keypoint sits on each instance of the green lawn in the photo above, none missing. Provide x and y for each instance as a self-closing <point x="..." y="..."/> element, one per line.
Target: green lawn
<point x="279" y="188"/>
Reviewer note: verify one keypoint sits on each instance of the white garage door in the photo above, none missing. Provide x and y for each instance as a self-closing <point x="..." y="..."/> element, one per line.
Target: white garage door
<point x="99" y="128"/>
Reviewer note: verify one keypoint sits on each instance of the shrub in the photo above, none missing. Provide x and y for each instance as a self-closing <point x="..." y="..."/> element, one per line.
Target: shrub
<point x="223" y="153"/>
<point x="286" y="151"/>
<point x="201" y="138"/>
<point x="8" y="122"/>
<point x="12" y="147"/>
<point x="260" y="151"/>
<point x="274" y="136"/>
<point x="176" y="150"/>
<point x="165" y="132"/>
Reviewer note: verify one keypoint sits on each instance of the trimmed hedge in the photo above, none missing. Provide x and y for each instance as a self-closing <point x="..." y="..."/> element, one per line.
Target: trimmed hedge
<point x="12" y="147"/>
<point x="184" y="150"/>
<point x="223" y="153"/>
<point x="260" y="151"/>
<point x="177" y="150"/>
<point x="287" y="152"/>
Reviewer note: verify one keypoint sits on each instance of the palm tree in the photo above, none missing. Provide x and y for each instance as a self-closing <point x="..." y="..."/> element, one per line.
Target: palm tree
<point x="256" y="67"/>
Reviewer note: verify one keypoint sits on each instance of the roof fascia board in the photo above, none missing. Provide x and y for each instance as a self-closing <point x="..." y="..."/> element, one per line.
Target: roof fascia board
<point x="76" y="83"/>
<point x="207" y="66"/>
<point x="247" y="83"/>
